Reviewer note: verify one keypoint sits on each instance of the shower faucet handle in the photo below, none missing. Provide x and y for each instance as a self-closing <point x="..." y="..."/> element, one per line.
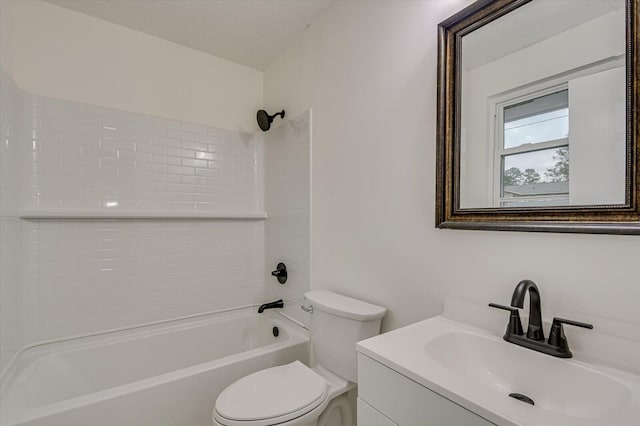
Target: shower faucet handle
<point x="281" y="273"/>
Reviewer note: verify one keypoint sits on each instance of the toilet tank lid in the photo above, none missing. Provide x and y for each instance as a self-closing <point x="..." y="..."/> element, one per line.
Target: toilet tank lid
<point x="344" y="306"/>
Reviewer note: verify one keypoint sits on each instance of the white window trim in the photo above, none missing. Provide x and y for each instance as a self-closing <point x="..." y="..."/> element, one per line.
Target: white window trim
<point x="498" y="137"/>
<point x="537" y="89"/>
<point x="532" y="198"/>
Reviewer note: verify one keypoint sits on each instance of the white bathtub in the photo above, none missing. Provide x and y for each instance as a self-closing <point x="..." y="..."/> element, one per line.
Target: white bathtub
<point x="163" y="374"/>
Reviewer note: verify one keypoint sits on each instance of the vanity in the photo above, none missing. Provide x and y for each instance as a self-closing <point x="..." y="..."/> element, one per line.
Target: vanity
<point x="390" y="394"/>
<point x="393" y="390"/>
<point x="442" y="371"/>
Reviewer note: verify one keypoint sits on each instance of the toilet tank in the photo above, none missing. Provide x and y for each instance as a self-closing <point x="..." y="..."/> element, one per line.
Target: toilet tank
<point x="337" y="324"/>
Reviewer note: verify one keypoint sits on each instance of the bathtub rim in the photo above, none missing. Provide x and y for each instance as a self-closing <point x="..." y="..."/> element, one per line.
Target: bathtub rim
<point x="130" y="328"/>
<point x="297" y="334"/>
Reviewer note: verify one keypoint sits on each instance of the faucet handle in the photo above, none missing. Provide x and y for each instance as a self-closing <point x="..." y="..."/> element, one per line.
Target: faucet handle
<point x="280" y="273"/>
<point x="514" y="326"/>
<point x="557" y="321"/>
<point x="504" y="307"/>
<point x="556" y="335"/>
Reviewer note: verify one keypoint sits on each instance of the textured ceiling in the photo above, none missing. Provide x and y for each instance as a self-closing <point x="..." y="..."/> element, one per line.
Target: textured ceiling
<point x="248" y="32"/>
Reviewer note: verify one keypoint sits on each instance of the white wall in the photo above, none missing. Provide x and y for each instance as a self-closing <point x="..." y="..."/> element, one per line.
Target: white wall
<point x="64" y="54"/>
<point x="368" y="71"/>
<point x="598" y="137"/>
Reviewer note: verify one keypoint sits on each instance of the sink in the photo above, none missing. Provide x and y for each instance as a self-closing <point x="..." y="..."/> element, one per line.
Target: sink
<point x="553" y="384"/>
<point x="478" y="370"/>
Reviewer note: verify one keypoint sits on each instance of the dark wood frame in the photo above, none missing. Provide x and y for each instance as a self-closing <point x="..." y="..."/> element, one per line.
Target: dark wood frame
<point x="599" y="219"/>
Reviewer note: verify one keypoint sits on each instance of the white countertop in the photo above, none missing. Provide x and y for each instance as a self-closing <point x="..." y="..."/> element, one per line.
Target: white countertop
<point x="404" y="350"/>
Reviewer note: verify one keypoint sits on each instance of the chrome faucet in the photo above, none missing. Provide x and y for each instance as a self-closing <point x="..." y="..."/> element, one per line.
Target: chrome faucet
<point x="557" y="344"/>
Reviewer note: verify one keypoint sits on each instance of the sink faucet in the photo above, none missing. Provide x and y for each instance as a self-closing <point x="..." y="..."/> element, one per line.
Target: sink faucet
<point x="271" y="305"/>
<point x="557" y="344"/>
<point x="534" y="330"/>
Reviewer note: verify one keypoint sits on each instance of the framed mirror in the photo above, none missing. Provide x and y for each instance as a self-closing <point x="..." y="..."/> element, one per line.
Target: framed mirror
<point x="538" y="106"/>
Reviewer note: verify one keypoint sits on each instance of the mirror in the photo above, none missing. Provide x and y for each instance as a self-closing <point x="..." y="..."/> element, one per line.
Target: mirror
<point x="536" y="125"/>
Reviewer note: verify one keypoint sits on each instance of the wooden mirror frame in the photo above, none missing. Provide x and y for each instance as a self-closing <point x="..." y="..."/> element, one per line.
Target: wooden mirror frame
<point x="598" y="219"/>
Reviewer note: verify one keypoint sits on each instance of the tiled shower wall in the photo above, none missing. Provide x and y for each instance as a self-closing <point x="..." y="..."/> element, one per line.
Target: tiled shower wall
<point x="83" y="156"/>
<point x="288" y="204"/>
<point x="10" y="298"/>
<point x="76" y="276"/>
<point x="82" y="276"/>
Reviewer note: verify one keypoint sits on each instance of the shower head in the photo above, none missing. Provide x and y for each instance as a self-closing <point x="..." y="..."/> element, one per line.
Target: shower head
<point x="265" y="120"/>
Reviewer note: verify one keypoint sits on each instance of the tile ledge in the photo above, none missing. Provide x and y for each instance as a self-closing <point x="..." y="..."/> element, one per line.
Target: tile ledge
<point x="42" y="213"/>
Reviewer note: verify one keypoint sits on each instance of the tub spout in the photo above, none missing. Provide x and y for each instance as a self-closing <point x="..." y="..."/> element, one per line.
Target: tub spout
<point x="271" y="305"/>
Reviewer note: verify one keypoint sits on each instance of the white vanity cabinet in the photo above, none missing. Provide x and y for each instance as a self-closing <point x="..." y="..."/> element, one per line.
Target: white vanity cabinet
<point x="442" y="372"/>
<point x="367" y="415"/>
<point x="386" y="397"/>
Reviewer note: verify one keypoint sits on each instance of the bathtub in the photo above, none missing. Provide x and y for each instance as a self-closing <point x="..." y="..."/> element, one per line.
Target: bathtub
<point x="161" y="374"/>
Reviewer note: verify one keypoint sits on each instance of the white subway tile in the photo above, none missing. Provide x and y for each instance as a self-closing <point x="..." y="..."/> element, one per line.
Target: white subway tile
<point x="194" y="145"/>
<point x="178" y="152"/>
<point x="194" y="163"/>
<point x="288" y="205"/>
<point x="83" y="276"/>
<point x="180" y="134"/>
<point x="156" y="158"/>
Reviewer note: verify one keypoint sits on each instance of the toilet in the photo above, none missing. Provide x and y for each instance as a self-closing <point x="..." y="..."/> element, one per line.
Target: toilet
<point x="294" y="394"/>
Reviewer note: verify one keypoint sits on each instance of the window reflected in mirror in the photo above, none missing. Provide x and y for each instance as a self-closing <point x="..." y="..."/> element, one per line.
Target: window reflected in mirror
<point x="542" y="107"/>
<point x="533" y="151"/>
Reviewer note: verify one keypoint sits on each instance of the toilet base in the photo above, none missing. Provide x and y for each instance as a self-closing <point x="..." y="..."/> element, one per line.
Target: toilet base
<point x="337" y="413"/>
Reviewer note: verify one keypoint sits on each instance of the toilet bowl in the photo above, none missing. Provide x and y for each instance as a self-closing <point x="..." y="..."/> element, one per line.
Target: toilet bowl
<point x="296" y="395"/>
<point x="291" y="394"/>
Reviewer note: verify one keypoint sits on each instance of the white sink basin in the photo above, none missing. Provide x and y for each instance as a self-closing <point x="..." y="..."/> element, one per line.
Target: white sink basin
<point x="560" y="387"/>
<point x="478" y="371"/>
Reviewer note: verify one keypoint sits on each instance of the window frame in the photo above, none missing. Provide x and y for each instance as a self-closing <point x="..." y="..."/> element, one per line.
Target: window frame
<point x="496" y="107"/>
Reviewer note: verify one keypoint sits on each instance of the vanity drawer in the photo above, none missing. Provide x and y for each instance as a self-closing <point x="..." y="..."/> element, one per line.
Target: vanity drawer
<point x="406" y="402"/>
<point x="369" y="416"/>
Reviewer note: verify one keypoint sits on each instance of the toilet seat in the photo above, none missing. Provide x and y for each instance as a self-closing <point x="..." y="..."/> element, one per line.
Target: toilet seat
<point x="271" y="396"/>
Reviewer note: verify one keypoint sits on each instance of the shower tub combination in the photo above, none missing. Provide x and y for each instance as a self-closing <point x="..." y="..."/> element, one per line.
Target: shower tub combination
<point x="163" y="374"/>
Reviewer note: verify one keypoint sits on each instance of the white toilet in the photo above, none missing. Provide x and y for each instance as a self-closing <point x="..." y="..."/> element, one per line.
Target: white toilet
<point x="295" y="394"/>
